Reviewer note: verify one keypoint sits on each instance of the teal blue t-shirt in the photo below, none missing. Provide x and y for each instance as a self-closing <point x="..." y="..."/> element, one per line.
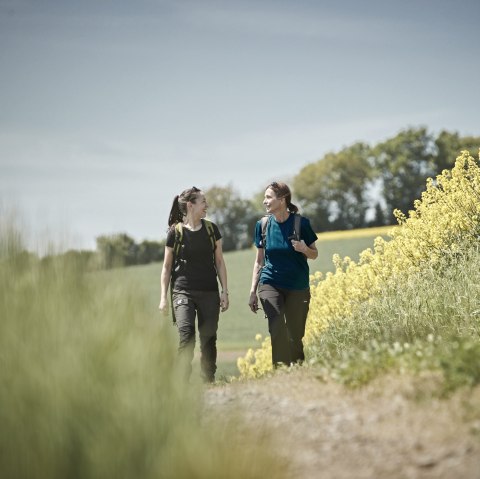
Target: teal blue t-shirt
<point x="284" y="267"/>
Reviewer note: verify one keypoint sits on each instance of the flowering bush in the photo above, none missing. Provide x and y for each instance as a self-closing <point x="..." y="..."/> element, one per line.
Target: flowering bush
<point x="446" y="216"/>
<point x="258" y="362"/>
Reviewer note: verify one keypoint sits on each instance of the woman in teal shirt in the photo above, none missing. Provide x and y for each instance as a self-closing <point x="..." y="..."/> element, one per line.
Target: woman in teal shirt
<point x="281" y="273"/>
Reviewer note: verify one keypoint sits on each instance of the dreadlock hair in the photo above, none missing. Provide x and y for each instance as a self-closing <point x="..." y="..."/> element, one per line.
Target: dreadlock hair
<point x="283" y="191"/>
<point x="179" y="205"/>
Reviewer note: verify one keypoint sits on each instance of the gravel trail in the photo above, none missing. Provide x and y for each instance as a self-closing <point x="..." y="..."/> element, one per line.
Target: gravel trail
<point x="392" y="428"/>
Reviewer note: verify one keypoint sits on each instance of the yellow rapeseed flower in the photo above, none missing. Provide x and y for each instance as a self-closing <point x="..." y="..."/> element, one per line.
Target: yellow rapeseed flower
<point x="446" y="216"/>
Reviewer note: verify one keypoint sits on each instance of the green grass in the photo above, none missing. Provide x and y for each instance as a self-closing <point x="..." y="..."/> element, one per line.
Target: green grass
<point x="90" y="384"/>
<point x="239" y="326"/>
<point x="429" y="320"/>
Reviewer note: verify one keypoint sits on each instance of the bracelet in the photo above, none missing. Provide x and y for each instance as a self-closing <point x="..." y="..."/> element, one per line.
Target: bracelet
<point x="226" y="291"/>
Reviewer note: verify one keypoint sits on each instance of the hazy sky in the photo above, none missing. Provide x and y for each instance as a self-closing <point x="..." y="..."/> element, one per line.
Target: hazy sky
<point x="108" y="108"/>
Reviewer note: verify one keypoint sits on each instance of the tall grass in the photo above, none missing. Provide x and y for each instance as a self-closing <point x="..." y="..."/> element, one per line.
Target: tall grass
<point x="89" y="385"/>
<point x="426" y="320"/>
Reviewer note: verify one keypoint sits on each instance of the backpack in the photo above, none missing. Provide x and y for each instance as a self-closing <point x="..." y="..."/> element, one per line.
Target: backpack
<point x="297" y="218"/>
<point x="178" y="249"/>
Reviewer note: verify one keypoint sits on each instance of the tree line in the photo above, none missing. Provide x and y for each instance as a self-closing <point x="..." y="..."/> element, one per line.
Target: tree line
<point x="121" y="250"/>
<point x="356" y="187"/>
<point x="361" y="185"/>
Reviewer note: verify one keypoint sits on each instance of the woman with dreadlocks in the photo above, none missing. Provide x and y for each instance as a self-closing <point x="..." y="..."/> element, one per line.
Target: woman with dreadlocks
<point x="285" y="241"/>
<point x="192" y="263"/>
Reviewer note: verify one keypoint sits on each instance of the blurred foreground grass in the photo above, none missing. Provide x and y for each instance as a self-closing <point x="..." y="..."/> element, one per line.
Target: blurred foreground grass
<point x="89" y="384"/>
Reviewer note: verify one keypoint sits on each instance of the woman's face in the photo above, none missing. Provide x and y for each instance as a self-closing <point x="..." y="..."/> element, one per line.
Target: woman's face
<point x="199" y="208"/>
<point x="271" y="202"/>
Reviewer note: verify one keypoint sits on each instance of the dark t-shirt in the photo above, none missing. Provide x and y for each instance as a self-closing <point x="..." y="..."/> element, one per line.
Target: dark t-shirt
<point x="284" y="267"/>
<point x="196" y="270"/>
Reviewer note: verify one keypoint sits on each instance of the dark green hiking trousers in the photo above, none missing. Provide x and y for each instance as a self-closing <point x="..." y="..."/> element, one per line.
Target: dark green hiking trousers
<point x="205" y="307"/>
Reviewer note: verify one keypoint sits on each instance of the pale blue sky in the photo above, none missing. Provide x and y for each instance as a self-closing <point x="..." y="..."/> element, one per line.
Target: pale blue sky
<point x="110" y="108"/>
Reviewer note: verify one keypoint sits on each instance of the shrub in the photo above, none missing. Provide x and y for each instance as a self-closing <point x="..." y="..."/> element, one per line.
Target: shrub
<point x="444" y="223"/>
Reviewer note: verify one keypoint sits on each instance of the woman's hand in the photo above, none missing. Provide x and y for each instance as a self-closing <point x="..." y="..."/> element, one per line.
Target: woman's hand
<point x="300" y="246"/>
<point x="253" y="302"/>
<point x="310" y="251"/>
<point x="224" y="302"/>
<point x="163" y="306"/>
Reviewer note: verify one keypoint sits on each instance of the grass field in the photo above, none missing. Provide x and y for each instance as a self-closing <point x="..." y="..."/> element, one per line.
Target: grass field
<point x="238" y="326"/>
<point x="91" y="385"/>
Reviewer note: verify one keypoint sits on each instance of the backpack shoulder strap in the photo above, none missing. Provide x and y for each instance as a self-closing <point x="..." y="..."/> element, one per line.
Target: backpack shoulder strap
<point x="297" y="220"/>
<point x="211" y="233"/>
<point x="177" y="246"/>
<point x="264" y="223"/>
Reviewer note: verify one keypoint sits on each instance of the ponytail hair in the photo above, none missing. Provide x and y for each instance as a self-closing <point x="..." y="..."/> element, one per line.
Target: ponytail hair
<point x="176" y="215"/>
<point x="179" y="205"/>
<point x="283" y="191"/>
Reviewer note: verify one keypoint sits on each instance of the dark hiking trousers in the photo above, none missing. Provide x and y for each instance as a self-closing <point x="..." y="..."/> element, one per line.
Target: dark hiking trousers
<point x="287" y="311"/>
<point x="205" y="305"/>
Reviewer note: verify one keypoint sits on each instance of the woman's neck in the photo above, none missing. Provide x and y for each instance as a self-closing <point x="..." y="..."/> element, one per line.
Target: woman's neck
<point x="193" y="224"/>
<point x="282" y="216"/>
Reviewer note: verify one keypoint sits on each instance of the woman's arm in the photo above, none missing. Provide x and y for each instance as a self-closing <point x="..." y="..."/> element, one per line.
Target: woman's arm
<point x="222" y="275"/>
<point x="309" y="251"/>
<point x="165" y="279"/>
<point x="257" y="269"/>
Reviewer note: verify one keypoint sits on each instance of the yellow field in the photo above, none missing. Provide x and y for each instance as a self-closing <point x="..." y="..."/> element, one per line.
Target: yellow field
<point x="357" y="233"/>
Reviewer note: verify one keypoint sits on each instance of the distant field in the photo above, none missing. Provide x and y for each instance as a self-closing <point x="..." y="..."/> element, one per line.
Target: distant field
<point x="238" y="326"/>
<point x="358" y="233"/>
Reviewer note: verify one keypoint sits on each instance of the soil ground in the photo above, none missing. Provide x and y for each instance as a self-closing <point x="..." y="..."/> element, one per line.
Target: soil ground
<point x="395" y="427"/>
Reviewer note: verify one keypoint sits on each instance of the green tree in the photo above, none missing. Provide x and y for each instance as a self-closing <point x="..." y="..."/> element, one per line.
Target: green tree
<point x="150" y="252"/>
<point x="449" y="145"/>
<point x="257" y="209"/>
<point x="117" y="250"/>
<point x="333" y="192"/>
<point x="403" y="164"/>
<point x="378" y="216"/>
<point x="311" y="192"/>
<point x="232" y="214"/>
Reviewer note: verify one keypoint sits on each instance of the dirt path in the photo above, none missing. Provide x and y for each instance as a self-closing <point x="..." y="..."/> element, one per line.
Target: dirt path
<point x="231" y="355"/>
<point x="381" y="431"/>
